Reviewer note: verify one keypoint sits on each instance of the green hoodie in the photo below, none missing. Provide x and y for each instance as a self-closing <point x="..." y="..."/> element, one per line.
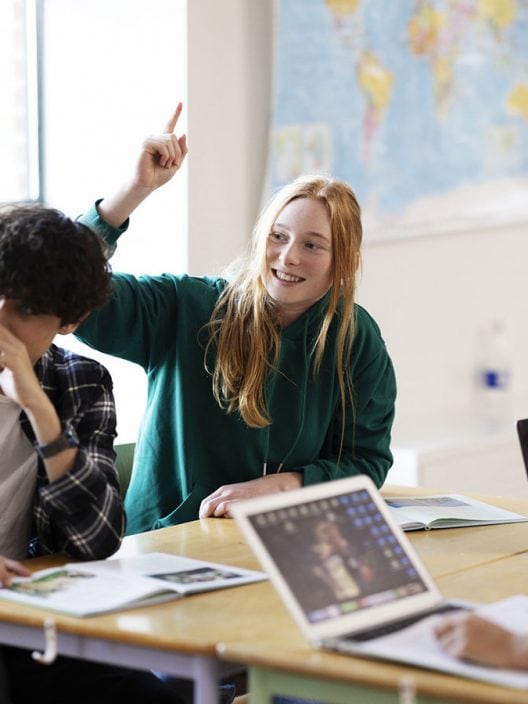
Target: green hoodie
<point x="188" y="446"/>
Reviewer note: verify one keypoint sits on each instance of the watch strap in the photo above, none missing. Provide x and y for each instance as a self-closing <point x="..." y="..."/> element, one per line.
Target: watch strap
<point x="50" y="449"/>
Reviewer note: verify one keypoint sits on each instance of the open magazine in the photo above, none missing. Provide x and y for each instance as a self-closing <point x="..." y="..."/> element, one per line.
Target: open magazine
<point x="100" y="586"/>
<point x="447" y="511"/>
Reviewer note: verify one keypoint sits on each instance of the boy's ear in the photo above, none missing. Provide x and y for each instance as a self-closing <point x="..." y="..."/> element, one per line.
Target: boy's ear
<point x="67" y="329"/>
<point x="71" y="327"/>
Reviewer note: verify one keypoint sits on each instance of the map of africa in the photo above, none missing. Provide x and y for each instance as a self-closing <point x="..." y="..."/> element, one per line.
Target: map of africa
<point x="421" y="105"/>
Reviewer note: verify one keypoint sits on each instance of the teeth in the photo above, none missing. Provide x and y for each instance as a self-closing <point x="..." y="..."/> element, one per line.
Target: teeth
<point x="287" y="277"/>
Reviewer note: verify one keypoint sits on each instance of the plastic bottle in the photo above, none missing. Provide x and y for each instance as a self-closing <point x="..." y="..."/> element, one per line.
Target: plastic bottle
<point x="494" y="377"/>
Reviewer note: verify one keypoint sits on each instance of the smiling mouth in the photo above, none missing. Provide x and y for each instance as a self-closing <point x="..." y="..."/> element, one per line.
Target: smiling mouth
<point x="287" y="278"/>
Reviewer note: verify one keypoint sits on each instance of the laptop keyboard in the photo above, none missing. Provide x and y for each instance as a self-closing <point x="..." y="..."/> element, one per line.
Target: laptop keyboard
<point x="395" y="626"/>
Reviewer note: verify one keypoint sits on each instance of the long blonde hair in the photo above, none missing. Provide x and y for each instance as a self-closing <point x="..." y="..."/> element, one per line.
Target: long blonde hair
<point x="244" y="329"/>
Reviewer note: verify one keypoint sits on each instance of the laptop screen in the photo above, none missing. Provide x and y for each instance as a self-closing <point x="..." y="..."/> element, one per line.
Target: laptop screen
<point x="338" y="554"/>
<point x="522" y="430"/>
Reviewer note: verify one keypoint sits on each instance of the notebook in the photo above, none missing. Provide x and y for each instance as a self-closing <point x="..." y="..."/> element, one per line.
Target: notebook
<point x="522" y="432"/>
<point x="349" y="575"/>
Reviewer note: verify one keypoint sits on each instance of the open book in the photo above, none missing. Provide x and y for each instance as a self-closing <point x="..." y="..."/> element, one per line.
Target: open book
<point x="100" y="586"/>
<point x="447" y="511"/>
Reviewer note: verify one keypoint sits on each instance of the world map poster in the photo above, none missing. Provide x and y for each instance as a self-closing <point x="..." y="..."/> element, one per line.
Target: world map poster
<point x="421" y="105"/>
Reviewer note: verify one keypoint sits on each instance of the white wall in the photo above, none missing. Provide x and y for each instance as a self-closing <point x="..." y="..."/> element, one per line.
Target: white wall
<point x="434" y="296"/>
<point x="431" y="295"/>
<point x="229" y="113"/>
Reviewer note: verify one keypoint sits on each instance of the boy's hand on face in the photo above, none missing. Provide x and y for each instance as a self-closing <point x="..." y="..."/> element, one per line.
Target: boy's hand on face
<point x="18" y="380"/>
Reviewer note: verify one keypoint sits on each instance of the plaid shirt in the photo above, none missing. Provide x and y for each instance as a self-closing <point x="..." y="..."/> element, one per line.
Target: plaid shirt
<point x="81" y="513"/>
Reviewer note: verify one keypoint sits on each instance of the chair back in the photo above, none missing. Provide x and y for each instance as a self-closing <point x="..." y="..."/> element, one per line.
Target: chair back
<point x="124" y="462"/>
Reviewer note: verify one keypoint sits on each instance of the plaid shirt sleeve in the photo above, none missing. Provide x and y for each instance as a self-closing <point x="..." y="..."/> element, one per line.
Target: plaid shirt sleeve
<point x="81" y="513"/>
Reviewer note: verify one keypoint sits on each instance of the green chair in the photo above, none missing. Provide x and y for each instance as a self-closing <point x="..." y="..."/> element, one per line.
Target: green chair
<point x="124" y="462"/>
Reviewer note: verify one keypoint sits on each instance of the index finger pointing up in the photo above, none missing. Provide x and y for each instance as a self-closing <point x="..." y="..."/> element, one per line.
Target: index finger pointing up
<point x="171" y="124"/>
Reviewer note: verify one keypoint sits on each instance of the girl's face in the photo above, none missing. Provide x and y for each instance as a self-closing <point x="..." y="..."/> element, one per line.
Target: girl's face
<point x="299" y="258"/>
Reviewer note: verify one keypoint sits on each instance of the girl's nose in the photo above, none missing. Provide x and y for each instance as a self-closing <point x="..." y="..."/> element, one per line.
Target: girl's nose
<point x="291" y="254"/>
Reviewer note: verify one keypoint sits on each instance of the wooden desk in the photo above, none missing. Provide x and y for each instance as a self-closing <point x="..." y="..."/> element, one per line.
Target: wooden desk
<point x="478" y="564"/>
<point x="178" y="637"/>
<point x="181" y="637"/>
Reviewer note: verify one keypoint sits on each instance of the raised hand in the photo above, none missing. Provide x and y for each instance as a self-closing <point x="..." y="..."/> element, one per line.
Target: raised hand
<point x="162" y="155"/>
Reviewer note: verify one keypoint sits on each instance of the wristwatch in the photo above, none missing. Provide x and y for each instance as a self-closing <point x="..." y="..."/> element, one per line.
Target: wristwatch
<point x="63" y="442"/>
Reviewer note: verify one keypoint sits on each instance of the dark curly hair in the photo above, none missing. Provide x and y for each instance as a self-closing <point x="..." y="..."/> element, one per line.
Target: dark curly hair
<point x="51" y="264"/>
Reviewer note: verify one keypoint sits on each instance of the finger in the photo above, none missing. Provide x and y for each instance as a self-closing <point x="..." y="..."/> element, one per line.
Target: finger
<point x="167" y="148"/>
<point x="449" y="623"/>
<point x="222" y="509"/>
<point x="454" y="644"/>
<point x="171" y="124"/>
<point x="164" y="149"/>
<point x="179" y="147"/>
<point x="442" y="628"/>
<point x="6" y="335"/>
<point x="181" y="152"/>
<point x="171" y="152"/>
<point x="206" y="508"/>
<point x="17" y="567"/>
<point x="11" y="566"/>
<point x="182" y="141"/>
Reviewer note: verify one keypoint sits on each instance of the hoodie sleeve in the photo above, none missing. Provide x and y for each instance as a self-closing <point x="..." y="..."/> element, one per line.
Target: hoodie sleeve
<point x="368" y="420"/>
<point x="107" y="232"/>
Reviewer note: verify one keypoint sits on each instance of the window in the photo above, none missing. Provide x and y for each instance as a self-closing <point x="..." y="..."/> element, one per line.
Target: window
<point x="82" y="83"/>
<point x="19" y="124"/>
<point x="112" y="72"/>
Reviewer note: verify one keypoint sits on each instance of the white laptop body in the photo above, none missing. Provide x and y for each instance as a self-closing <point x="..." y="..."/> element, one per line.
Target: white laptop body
<point x="345" y="569"/>
<point x="338" y="560"/>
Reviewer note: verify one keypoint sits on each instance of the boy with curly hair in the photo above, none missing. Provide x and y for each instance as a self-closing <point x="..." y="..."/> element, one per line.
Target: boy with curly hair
<point x="59" y="489"/>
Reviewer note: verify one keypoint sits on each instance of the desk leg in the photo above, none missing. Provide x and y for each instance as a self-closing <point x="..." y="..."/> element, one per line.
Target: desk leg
<point x="206" y="676"/>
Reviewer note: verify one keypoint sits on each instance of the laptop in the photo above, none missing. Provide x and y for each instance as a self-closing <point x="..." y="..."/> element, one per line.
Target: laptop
<point x="522" y="432"/>
<point x="349" y="576"/>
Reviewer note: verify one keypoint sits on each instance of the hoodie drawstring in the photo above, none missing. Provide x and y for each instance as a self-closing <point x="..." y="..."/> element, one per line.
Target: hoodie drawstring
<point x="307" y="359"/>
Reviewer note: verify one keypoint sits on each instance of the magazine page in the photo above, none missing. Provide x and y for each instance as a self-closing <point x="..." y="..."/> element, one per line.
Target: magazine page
<point x="446" y="510"/>
<point x="100" y="586"/>
<point x="182" y="574"/>
<point x="83" y="593"/>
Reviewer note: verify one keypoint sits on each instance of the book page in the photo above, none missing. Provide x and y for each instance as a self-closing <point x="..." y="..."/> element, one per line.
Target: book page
<point x="81" y="592"/>
<point x="448" y="508"/>
<point x="182" y="574"/>
<point x="98" y="586"/>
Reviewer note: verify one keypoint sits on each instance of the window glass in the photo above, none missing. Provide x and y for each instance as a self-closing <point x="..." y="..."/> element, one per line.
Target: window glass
<point x="19" y="175"/>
